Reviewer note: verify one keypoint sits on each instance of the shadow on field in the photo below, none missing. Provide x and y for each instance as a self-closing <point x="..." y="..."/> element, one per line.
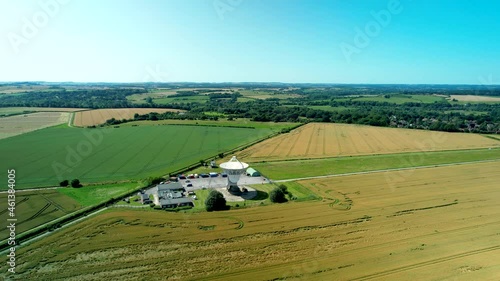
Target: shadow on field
<point x="261" y="195"/>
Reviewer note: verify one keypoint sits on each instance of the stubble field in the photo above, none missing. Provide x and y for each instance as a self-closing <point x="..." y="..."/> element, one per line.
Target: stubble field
<point x="471" y="98"/>
<point x="316" y="140"/>
<point x="99" y="116"/>
<point x="20" y="124"/>
<point x="436" y="223"/>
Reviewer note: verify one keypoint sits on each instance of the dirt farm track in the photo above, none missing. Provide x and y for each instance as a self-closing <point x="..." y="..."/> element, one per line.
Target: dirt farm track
<point x="317" y="140"/>
<point x="99" y="116"/>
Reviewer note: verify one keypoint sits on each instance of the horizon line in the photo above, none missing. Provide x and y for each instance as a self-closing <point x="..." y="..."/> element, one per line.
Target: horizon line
<point x="239" y="82"/>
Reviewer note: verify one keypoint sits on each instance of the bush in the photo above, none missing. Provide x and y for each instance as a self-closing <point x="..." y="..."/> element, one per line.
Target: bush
<point x="277" y="195"/>
<point x="64" y="183"/>
<point x="283" y="188"/>
<point x="157" y="180"/>
<point x="215" y="201"/>
<point x="75" y="183"/>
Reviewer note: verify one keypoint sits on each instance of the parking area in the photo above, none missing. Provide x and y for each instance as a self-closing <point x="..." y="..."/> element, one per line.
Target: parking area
<point x="214" y="182"/>
<point x="218" y="182"/>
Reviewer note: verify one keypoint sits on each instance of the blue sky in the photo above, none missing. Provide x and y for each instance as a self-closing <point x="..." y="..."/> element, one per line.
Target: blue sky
<point x="337" y="41"/>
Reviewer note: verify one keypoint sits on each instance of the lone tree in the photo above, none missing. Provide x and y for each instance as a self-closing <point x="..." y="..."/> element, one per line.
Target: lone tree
<point x="277" y="195"/>
<point x="215" y="201"/>
<point x="64" y="183"/>
<point x="283" y="188"/>
<point x="75" y="183"/>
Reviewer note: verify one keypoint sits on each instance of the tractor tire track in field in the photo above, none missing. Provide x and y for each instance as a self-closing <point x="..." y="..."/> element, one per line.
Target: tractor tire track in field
<point x="152" y="139"/>
<point x="239" y="222"/>
<point x="276" y="147"/>
<point x="158" y="155"/>
<point x="184" y="143"/>
<point x="338" y="143"/>
<point x="39" y="212"/>
<point x="324" y="140"/>
<point x="427" y="263"/>
<point x="292" y="147"/>
<point x="310" y="140"/>
<point x="109" y="158"/>
<point x="17" y="204"/>
<point x="59" y="207"/>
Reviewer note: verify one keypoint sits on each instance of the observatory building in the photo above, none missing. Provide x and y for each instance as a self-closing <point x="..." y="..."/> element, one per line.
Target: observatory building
<point x="234" y="169"/>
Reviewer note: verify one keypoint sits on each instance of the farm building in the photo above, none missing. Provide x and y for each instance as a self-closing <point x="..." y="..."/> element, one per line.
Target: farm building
<point x="252" y="172"/>
<point x="171" y="195"/>
<point x="144" y="198"/>
<point x="176" y="202"/>
<point x="170" y="187"/>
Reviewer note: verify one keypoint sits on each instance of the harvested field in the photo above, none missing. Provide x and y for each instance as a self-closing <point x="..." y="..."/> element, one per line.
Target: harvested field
<point x="316" y="140"/>
<point x="20" y="110"/>
<point x="474" y="98"/>
<point x="437" y="223"/>
<point x="20" y="124"/>
<point x="99" y="116"/>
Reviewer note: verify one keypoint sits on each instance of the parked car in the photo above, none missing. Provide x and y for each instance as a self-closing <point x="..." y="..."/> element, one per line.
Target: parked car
<point x="188" y="181"/>
<point x="182" y="177"/>
<point x="189" y="185"/>
<point x="204" y="175"/>
<point x="213" y="174"/>
<point x="224" y="175"/>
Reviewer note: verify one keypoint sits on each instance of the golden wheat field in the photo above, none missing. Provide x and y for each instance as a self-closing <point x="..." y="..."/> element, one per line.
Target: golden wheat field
<point x="317" y="140"/>
<point x="426" y="224"/>
<point x="99" y="116"/>
<point x="474" y="98"/>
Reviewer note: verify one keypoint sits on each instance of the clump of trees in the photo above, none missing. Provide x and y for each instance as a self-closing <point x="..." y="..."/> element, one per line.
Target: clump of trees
<point x="215" y="201"/>
<point x="279" y="194"/>
<point x="76" y="183"/>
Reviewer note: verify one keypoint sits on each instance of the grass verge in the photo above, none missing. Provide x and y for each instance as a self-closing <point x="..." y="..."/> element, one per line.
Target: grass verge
<point x="280" y="170"/>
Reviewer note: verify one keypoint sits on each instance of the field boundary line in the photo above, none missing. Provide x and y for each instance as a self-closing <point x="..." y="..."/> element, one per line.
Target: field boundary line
<point x="71" y="119"/>
<point x="386" y="170"/>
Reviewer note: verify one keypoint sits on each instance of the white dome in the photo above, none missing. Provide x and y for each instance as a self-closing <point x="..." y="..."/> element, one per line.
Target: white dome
<point x="233" y="164"/>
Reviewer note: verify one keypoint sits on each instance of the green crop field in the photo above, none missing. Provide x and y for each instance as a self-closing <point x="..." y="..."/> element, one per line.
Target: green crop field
<point x="95" y="194"/>
<point x="169" y="100"/>
<point x="240" y="122"/>
<point x="298" y="191"/>
<point x="34" y="208"/>
<point x="278" y="170"/>
<point x="329" y="108"/>
<point x="398" y="99"/>
<point x="45" y="157"/>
